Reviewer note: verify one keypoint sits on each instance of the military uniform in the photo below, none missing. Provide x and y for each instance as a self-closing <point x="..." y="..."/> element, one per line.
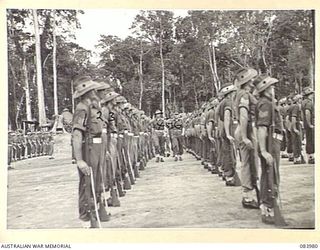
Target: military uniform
<point x="158" y="124"/>
<point x="177" y="137"/>
<point x="88" y="124"/>
<point x="228" y="159"/>
<point x="268" y="118"/>
<point x="296" y="130"/>
<point x="307" y="106"/>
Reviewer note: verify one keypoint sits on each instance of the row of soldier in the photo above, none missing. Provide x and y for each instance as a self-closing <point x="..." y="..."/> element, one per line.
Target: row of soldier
<point x="112" y="142"/>
<point x="33" y="144"/>
<point x="246" y="118"/>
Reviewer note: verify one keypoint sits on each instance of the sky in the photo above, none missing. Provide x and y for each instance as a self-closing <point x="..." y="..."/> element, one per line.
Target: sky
<point x="96" y="22"/>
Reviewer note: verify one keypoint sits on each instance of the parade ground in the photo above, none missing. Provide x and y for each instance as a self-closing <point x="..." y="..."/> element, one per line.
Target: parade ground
<point x="43" y="193"/>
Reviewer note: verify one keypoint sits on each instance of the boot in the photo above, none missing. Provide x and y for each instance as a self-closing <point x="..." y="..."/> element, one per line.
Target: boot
<point x="161" y="159"/>
<point x="136" y="172"/>
<point x="214" y="170"/>
<point x="120" y="189"/>
<point x="113" y="201"/>
<point x="126" y="182"/>
<point x="132" y="180"/>
<point x="176" y="158"/>
<point x="180" y="158"/>
<point x="141" y="165"/>
<point x="93" y="221"/>
<point x="157" y="159"/>
<point x="103" y="215"/>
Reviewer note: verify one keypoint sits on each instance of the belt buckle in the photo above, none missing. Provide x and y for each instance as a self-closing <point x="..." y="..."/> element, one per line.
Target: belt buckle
<point x="96" y="140"/>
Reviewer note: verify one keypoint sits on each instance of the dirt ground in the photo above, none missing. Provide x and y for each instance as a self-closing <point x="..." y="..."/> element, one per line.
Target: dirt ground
<point x="42" y="193"/>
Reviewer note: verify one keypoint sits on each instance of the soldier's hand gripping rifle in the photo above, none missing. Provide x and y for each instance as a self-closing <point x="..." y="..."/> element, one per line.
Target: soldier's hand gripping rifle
<point x="273" y="175"/>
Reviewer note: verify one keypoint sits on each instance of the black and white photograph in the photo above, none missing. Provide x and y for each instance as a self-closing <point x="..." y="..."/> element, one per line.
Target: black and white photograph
<point x="160" y="118"/>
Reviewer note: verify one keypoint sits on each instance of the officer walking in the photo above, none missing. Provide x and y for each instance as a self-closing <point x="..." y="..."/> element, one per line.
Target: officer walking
<point x="159" y="135"/>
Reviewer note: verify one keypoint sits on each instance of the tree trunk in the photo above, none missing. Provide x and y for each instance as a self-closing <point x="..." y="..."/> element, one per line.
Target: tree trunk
<point x="14" y="97"/>
<point x="27" y="91"/>
<point x="215" y="86"/>
<point x="162" y="69"/>
<point x="141" y="75"/>
<point x="54" y="59"/>
<point x="72" y="99"/>
<point x="18" y="111"/>
<point x="215" y="66"/>
<point x="41" y="105"/>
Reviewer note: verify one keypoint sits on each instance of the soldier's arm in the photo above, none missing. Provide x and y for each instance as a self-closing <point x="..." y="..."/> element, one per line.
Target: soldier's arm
<point x="77" y="144"/>
<point x="308" y="118"/>
<point x="227" y="121"/>
<point x="243" y="122"/>
<point x="262" y="140"/>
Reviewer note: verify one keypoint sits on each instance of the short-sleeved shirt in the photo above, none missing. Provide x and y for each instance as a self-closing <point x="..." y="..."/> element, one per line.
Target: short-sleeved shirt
<point x="121" y="123"/>
<point x="225" y="105"/>
<point x="296" y="112"/>
<point x="210" y="116"/>
<point x="307" y="105"/>
<point x="245" y="100"/>
<point x="158" y="124"/>
<point x="177" y="124"/>
<point x="264" y="115"/>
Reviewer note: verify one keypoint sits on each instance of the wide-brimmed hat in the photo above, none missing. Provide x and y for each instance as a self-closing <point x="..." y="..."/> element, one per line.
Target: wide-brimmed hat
<point x="245" y="75"/>
<point x="109" y="97"/>
<point x="264" y="82"/>
<point x="282" y="100"/>
<point x="158" y="112"/>
<point x="307" y="91"/>
<point x="82" y="85"/>
<point x="227" y="88"/>
<point x="296" y="97"/>
<point x="65" y="110"/>
<point x="121" y="99"/>
<point x="104" y="85"/>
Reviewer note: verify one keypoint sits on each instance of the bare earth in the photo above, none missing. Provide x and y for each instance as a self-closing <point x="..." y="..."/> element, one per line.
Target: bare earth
<point x="42" y="193"/>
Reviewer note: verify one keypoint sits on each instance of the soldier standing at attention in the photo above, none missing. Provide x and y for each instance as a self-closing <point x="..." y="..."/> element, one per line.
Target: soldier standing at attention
<point x="308" y="120"/>
<point x="288" y="128"/>
<point x="87" y="129"/>
<point x="283" y="111"/>
<point x="296" y="130"/>
<point x="268" y="122"/>
<point x="159" y="135"/>
<point x="245" y="108"/>
<point x="226" y="114"/>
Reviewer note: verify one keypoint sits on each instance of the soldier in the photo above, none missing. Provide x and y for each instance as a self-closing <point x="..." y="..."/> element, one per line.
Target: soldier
<point x="177" y="133"/>
<point x="10" y="148"/>
<point x="283" y="110"/>
<point x="308" y="120"/>
<point x="268" y="122"/>
<point x="50" y="145"/>
<point x="226" y="116"/>
<point x="87" y="129"/>
<point x="114" y="172"/>
<point x="219" y="129"/>
<point x="288" y="126"/>
<point x="211" y="124"/>
<point x="159" y="135"/>
<point x="296" y="130"/>
<point x="245" y="136"/>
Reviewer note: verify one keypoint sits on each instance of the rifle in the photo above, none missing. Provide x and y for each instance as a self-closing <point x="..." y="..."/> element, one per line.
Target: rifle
<point x="129" y="169"/>
<point x="273" y="175"/>
<point x="91" y="204"/>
